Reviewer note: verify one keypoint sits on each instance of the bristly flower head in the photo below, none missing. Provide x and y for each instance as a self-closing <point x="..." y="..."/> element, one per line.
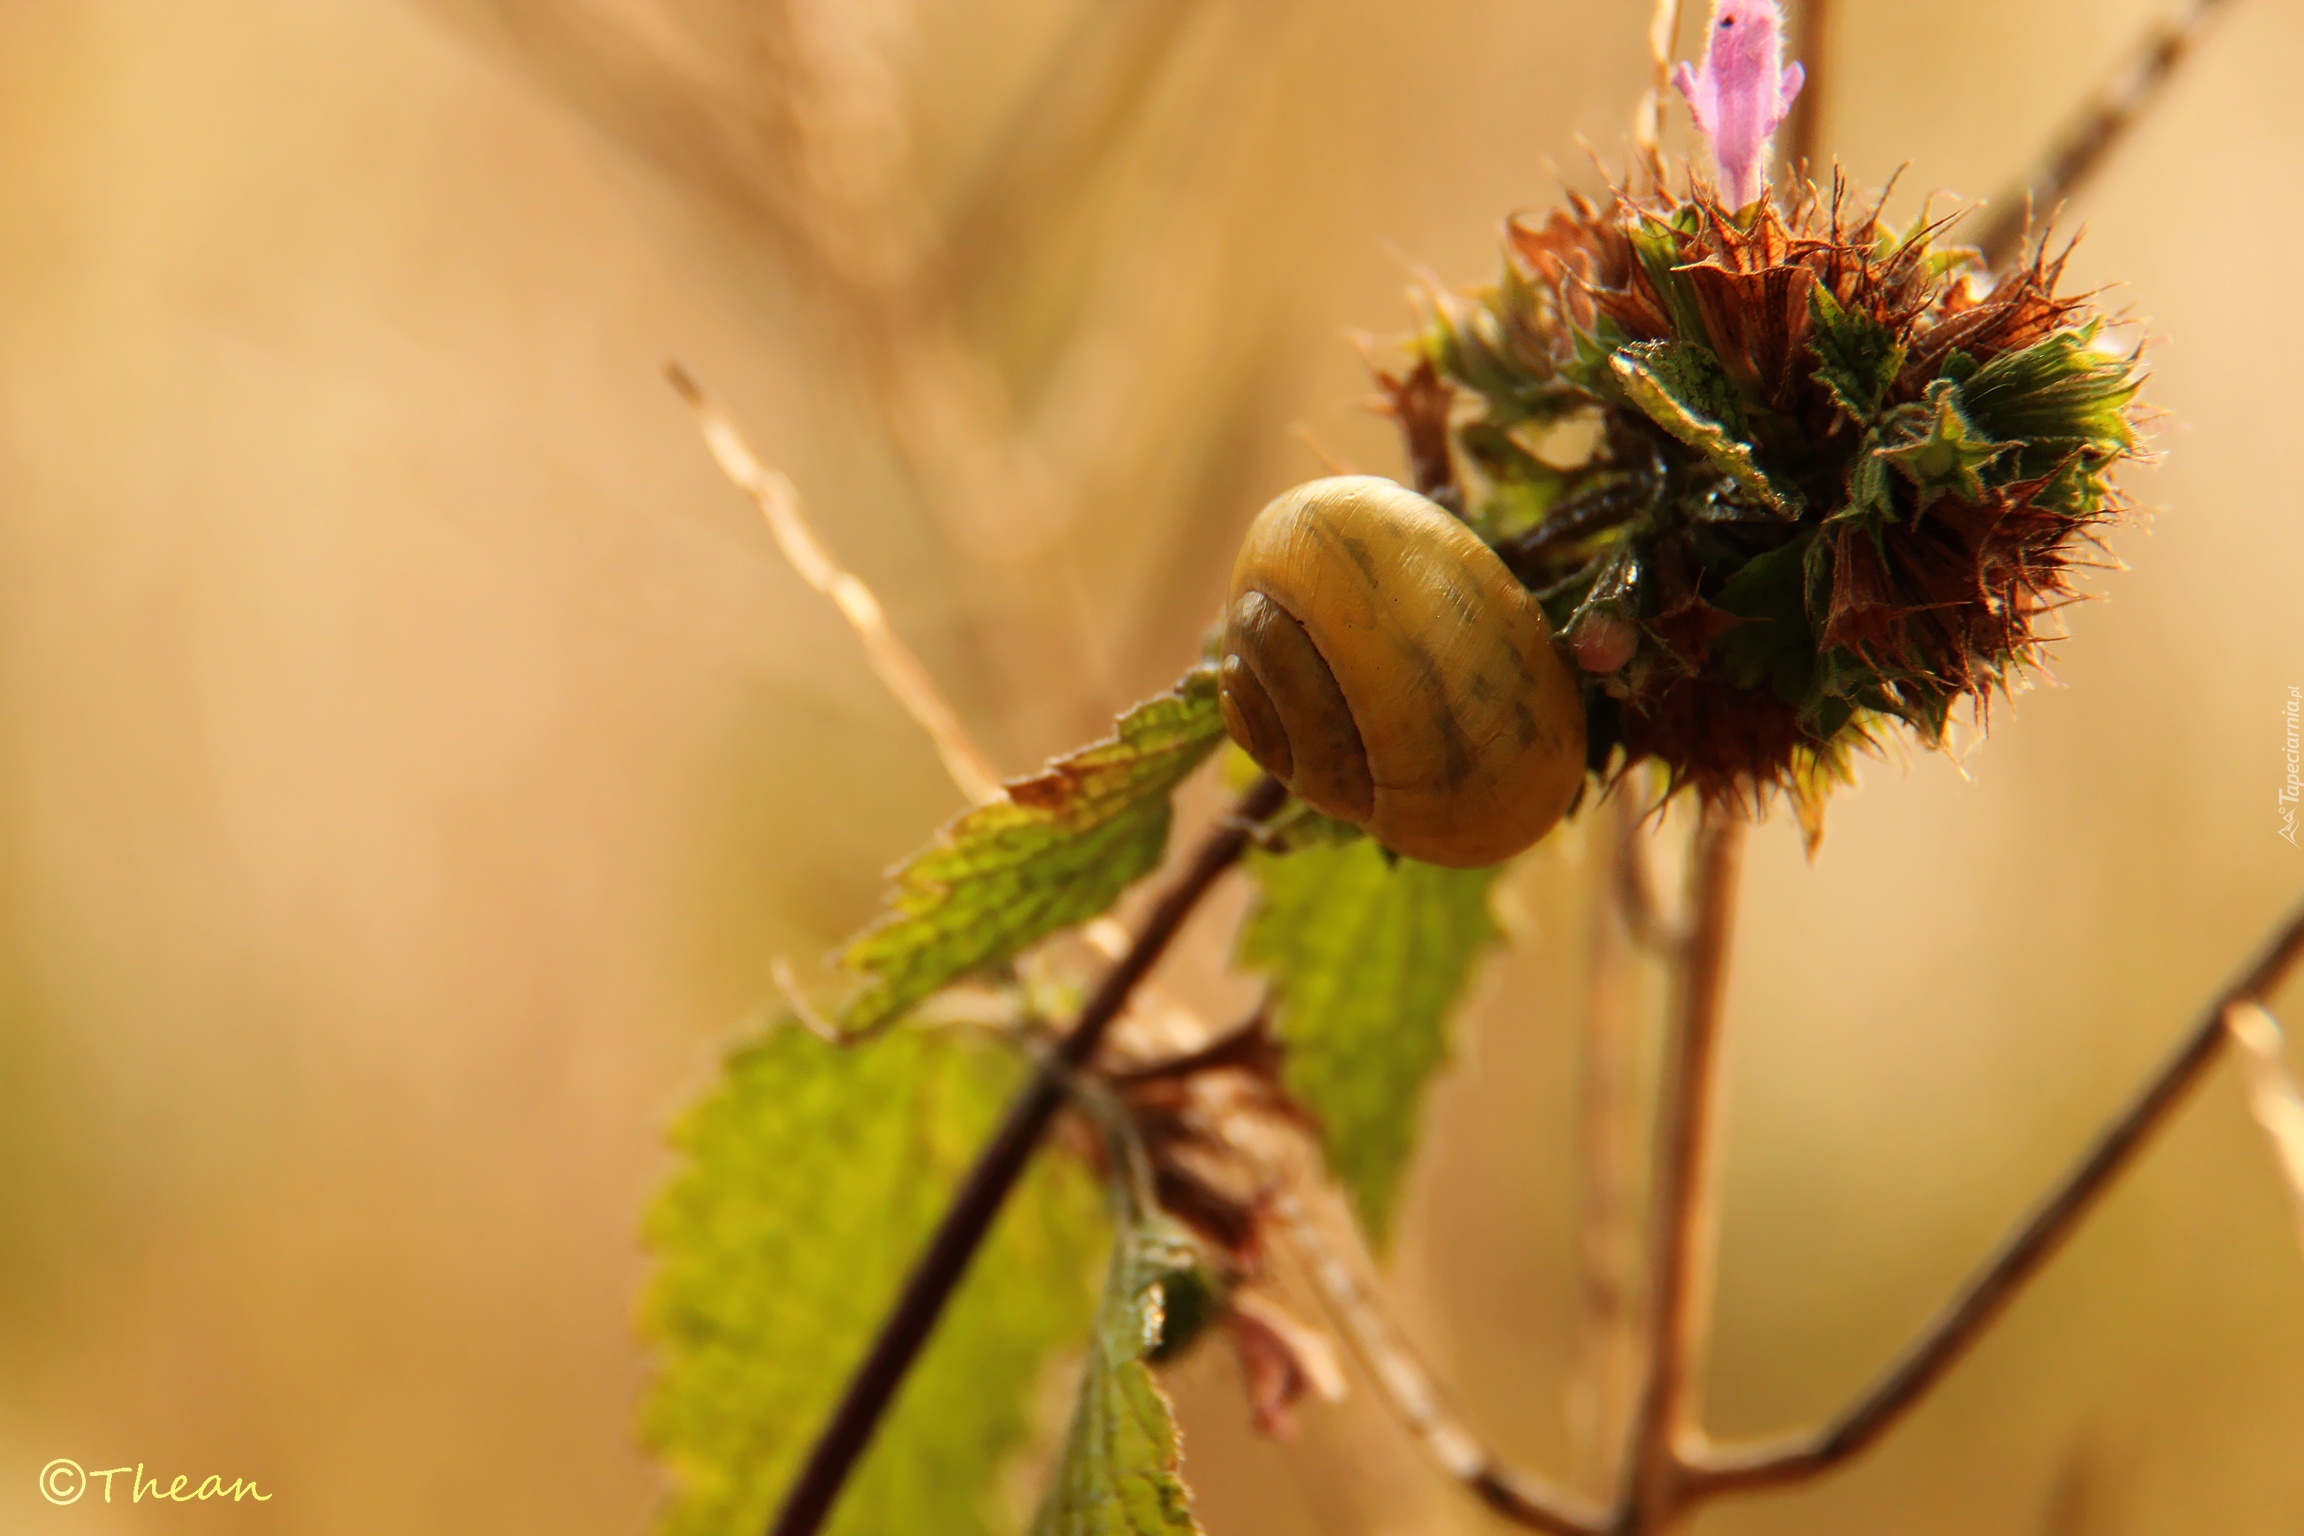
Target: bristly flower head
<point x="1740" y="96"/>
<point x="1782" y="475"/>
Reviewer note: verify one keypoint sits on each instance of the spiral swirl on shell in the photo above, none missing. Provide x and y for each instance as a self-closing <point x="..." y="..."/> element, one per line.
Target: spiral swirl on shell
<point x="1382" y="663"/>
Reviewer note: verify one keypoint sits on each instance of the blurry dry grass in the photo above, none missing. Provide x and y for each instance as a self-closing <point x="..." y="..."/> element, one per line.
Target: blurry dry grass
<point x="415" y="754"/>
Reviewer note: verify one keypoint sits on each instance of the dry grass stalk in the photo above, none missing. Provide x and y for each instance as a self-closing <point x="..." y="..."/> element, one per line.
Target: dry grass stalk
<point x="1406" y="1385"/>
<point x="1648" y="117"/>
<point x="2273" y="1096"/>
<point x="1812" y="45"/>
<point x="893" y="662"/>
<point x="1602" y="1398"/>
<point x="2099" y="128"/>
<point x="1168" y="1023"/>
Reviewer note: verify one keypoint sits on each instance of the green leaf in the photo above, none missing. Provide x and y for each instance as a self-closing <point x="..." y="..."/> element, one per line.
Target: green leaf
<point x="808" y="1180"/>
<point x="1774" y="648"/>
<point x="1367" y="957"/>
<point x="1938" y="448"/>
<point x="1296" y="825"/>
<point x="1056" y="852"/>
<point x="2055" y="396"/>
<point x="1680" y="386"/>
<point x="1871" y="487"/>
<point x="1117" y="1475"/>
<point x="1858" y="357"/>
<point x="1521" y="487"/>
<point x="1657" y="245"/>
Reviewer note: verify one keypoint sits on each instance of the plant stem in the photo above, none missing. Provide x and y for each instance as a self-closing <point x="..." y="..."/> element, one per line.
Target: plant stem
<point x="1610" y="1347"/>
<point x="1663" y="34"/>
<point x="892" y="661"/>
<point x="1673" y="1468"/>
<point x="1646" y="922"/>
<point x="1684" y="1208"/>
<point x="1979" y="1303"/>
<point x="986" y="1189"/>
<point x="1406" y="1386"/>
<point x="1812" y="46"/>
<point x="2081" y="149"/>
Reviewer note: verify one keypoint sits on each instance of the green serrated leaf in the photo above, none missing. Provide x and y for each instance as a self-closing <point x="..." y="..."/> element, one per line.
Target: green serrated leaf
<point x="1657" y="245"/>
<point x="1680" y="386"/>
<point x="1055" y="853"/>
<point x="1871" y="486"/>
<point x="808" y="1179"/>
<point x="1589" y="367"/>
<point x="1858" y="358"/>
<point x="1368" y="956"/>
<point x="2055" y="396"/>
<point x="1118" y="1472"/>
<point x="1939" y="449"/>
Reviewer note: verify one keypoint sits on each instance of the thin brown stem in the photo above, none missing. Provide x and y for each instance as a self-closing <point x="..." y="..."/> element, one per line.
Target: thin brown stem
<point x="1684" y="1214"/>
<point x="1812" y="46"/>
<point x="1609" y="1349"/>
<point x="2088" y="140"/>
<point x="1635" y="887"/>
<point x="2273" y="1095"/>
<point x="989" y="1183"/>
<point x="1943" y="1343"/>
<point x="1245" y="1044"/>
<point x="1064" y="131"/>
<point x="1674" y="1468"/>
<point x="892" y="661"/>
<point x="1407" y="1386"/>
<point x="1663" y="35"/>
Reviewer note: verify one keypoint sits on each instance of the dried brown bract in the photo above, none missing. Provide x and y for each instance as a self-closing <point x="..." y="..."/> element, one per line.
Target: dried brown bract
<point x="1784" y="476"/>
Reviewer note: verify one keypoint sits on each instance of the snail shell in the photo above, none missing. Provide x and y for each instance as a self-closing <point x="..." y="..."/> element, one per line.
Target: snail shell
<point x="1382" y="663"/>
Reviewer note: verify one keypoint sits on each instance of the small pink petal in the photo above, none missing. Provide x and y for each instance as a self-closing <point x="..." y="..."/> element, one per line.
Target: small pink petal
<point x="1603" y="643"/>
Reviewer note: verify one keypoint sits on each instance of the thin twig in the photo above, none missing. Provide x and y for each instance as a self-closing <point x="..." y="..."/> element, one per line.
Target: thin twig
<point x="1412" y="1395"/>
<point x="1684" y="1216"/>
<point x="989" y="1183"/>
<point x="1644" y="916"/>
<point x="2273" y="1096"/>
<point x="893" y="662"/>
<point x="803" y="1010"/>
<point x="1608" y="1353"/>
<point x="2081" y="149"/>
<point x="1682" y="1469"/>
<point x="1575" y="518"/>
<point x="1992" y="1288"/>
<point x="1812" y="46"/>
<point x="1063" y="133"/>
<point x="1648" y="117"/>
<point x="1241" y="1045"/>
<point x="891" y="659"/>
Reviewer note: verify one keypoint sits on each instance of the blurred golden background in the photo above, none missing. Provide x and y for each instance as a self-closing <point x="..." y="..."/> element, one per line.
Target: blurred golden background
<point x="415" y="755"/>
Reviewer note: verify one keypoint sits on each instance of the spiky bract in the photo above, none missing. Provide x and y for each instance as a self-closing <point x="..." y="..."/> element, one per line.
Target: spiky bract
<point x="1782" y="476"/>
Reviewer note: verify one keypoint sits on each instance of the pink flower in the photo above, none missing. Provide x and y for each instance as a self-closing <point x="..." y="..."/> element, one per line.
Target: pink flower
<point x="1742" y="92"/>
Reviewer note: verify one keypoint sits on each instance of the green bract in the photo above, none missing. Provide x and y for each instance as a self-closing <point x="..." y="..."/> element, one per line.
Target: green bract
<point x="1825" y="475"/>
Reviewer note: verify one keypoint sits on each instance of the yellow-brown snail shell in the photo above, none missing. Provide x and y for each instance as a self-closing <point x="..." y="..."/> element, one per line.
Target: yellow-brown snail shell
<point x="1382" y="663"/>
